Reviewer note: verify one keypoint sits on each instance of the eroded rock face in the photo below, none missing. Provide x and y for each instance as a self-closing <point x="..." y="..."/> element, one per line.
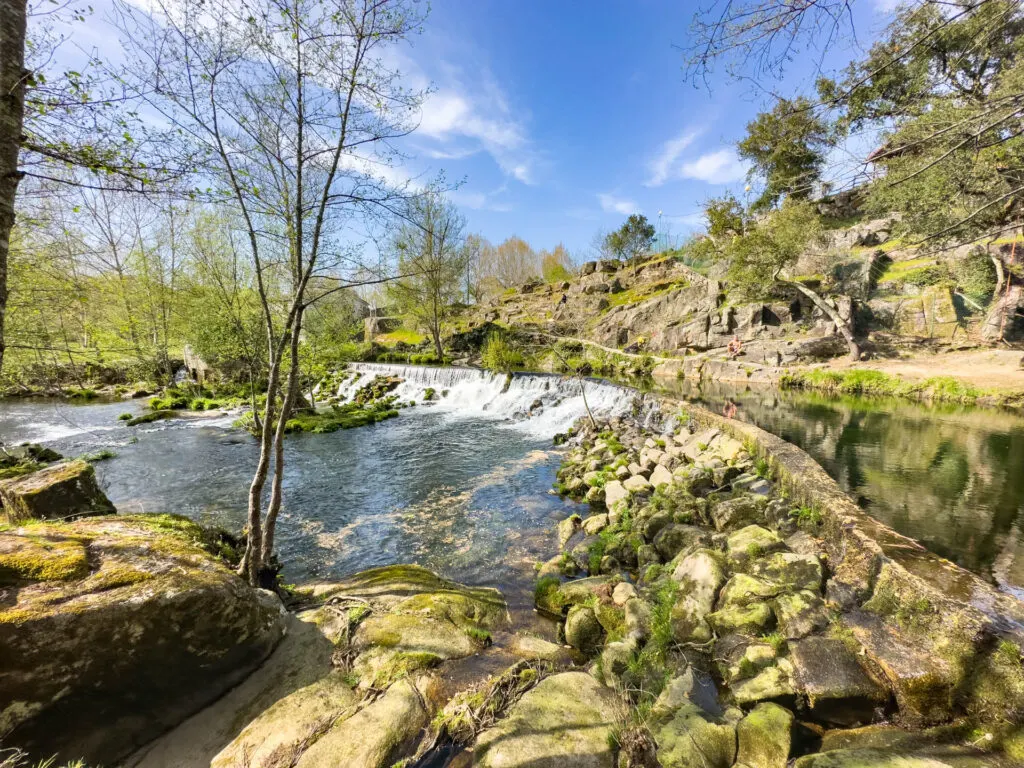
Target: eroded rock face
<point x="63" y="490"/>
<point x="115" y="629"/>
<point x="565" y="720"/>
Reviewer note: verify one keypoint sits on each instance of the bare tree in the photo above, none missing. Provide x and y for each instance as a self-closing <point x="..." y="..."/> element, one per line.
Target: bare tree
<point x="292" y="108"/>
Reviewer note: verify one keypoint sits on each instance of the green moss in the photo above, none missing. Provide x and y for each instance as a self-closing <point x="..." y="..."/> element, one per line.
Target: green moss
<point x="100" y="455"/>
<point x="402" y="664"/>
<point x="44" y="557"/>
<point x="479" y="635"/>
<point x="546" y="594"/>
<point x="118" y="576"/>
<point x="148" y="418"/>
<point x="19" y="469"/>
<point x="124" y="417"/>
<point x="348" y="416"/>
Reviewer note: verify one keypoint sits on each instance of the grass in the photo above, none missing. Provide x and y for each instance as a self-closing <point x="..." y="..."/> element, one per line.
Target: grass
<point x="101" y="455"/>
<point x="863" y="382"/>
<point x="806" y="517"/>
<point x="346" y="416"/>
<point x="400" y="336"/>
<point x="644" y="292"/>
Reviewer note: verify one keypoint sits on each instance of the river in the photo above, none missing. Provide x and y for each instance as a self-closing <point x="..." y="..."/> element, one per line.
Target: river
<point x="461" y="485"/>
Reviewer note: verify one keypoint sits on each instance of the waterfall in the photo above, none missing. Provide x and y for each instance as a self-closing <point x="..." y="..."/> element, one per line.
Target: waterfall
<point x="537" y="403"/>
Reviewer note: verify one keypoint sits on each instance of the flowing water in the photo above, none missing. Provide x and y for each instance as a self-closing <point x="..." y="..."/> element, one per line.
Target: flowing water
<point x="461" y="485"/>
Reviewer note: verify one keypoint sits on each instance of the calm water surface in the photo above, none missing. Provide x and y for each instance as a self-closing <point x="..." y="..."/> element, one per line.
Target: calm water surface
<point x="950" y="477"/>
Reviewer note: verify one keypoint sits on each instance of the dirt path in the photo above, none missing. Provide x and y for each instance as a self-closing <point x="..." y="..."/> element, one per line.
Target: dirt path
<point x="986" y="368"/>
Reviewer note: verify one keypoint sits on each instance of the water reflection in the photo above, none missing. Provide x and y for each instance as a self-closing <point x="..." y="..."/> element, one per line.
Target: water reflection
<point x="950" y="477"/>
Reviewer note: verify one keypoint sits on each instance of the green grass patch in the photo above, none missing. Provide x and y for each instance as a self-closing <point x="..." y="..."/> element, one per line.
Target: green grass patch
<point x="346" y="416"/>
<point x="400" y="336"/>
<point x="862" y="382"/>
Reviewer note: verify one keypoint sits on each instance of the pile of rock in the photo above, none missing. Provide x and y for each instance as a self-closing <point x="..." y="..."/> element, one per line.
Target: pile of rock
<point x="703" y="595"/>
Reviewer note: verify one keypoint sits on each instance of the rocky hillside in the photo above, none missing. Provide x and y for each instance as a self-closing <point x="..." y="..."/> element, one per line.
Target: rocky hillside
<point x="898" y="296"/>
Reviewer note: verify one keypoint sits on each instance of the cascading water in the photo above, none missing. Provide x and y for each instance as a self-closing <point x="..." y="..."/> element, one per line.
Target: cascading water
<point x="539" y="404"/>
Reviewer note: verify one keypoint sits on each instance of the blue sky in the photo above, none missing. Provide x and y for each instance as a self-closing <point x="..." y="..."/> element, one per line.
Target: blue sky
<point x="561" y="118"/>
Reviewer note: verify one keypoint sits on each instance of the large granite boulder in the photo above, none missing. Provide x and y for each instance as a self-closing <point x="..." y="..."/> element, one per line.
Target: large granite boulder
<point x="115" y="629"/>
<point x="59" y="491"/>
<point x="567" y="719"/>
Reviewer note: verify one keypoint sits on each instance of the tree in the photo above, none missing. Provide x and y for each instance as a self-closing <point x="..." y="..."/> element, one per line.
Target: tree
<point x="634" y="238"/>
<point x="289" y="107"/>
<point x="556" y="266"/>
<point x="763" y="257"/>
<point x="786" y="148"/>
<point x="951" y="113"/>
<point x="725" y="218"/>
<point x="508" y="265"/>
<point x="430" y="252"/>
<point x="761" y="35"/>
<point x="13" y="76"/>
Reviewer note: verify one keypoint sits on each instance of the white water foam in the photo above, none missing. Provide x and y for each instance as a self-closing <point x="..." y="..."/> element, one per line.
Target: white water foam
<point x="472" y="393"/>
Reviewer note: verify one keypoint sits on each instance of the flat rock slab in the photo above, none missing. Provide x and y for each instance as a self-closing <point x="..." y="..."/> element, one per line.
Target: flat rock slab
<point x="838" y="688"/>
<point x="938" y="756"/>
<point x="374" y="737"/>
<point x="290" y="725"/>
<point x="566" y="720"/>
<point x="923" y="682"/>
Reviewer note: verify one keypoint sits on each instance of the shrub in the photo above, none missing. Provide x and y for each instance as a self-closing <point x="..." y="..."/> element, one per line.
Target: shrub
<point x="499" y="354"/>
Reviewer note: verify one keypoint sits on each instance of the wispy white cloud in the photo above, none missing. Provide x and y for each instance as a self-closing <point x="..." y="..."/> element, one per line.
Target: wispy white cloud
<point x="465" y="116"/>
<point x="663" y="166"/>
<point x="612" y="204"/>
<point x="719" y="167"/>
<point x="480" y="201"/>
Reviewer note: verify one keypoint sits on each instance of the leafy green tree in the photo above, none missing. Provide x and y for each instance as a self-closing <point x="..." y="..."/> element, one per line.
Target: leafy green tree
<point x="951" y="113"/>
<point x="724" y="217"/>
<point x="634" y="238"/>
<point x="786" y="148"/>
<point x="430" y="252"/>
<point x="762" y="259"/>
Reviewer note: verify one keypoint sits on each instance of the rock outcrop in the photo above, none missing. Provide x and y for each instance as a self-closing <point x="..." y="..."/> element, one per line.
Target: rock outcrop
<point x="59" y="491"/>
<point x="115" y="629"/>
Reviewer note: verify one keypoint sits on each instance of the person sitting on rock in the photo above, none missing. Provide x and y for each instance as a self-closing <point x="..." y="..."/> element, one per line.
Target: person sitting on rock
<point x="734" y="348"/>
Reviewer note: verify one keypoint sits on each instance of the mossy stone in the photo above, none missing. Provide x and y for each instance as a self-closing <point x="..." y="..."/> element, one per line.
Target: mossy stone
<point x="752" y="619"/>
<point x="285" y="729"/>
<point x="566" y="719"/>
<point x="691" y="738"/>
<point x="43" y="556"/>
<point x="764" y="736"/>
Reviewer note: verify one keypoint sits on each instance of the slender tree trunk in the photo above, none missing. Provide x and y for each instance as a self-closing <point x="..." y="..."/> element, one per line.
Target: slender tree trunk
<point x="845" y="326"/>
<point x="251" y="563"/>
<point x="13" y="22"/>
<point x="276" y="489"/>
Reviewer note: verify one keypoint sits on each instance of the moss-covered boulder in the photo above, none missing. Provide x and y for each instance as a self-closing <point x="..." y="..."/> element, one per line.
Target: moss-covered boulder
<point x="405" y="618"/>
<point x="789" y="570"/>
<point x="59" y="491"/>
<point x="693" y="737"/>
<point x="800" y="613"/>
<point x="764" y="737"/>
<point x="583" y="631"/>
<point x="838" y="688"/>
<point x="567" y="719"/>
<point x="377" y="736"/>
<point x="753" y="619"/>
<point x="699" y="577"/>
<point x="750" y="542"/>
<point x="115" y="629"/>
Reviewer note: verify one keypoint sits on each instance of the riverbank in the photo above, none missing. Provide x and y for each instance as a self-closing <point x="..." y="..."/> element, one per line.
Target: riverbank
<point x="872" y="587"/>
